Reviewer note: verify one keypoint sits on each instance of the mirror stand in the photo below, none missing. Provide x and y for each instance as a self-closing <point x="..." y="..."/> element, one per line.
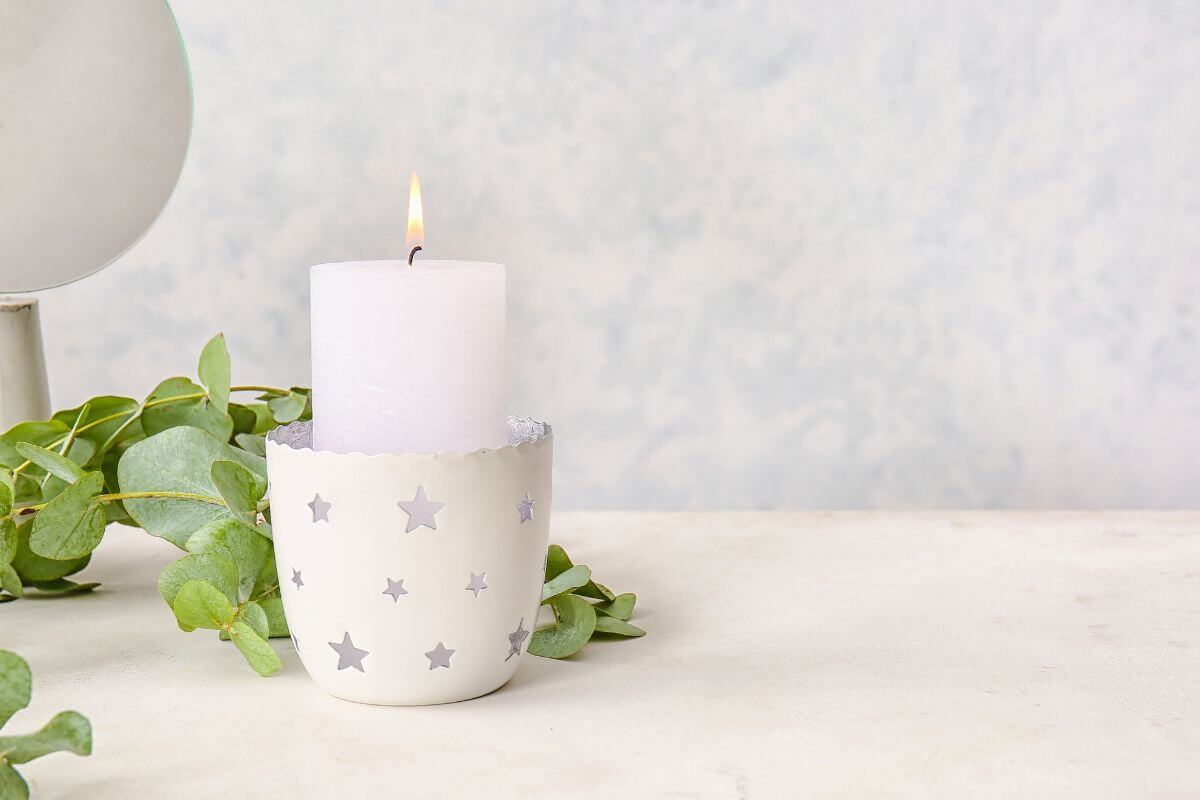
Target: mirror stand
<point x="24" y="390"/>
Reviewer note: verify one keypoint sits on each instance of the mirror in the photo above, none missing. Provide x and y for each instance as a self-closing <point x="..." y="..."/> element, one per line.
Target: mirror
<point x="95" y="117"/>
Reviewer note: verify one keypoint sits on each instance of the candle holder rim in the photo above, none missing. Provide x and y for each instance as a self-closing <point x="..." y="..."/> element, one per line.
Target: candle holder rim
<point x="524" y="434"/>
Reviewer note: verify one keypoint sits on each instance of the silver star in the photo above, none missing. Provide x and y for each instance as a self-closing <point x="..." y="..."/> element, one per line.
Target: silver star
<point x="395" y="589"/>
<point x="439" y="656"/>
<point x="525" y="507"/>
<point x="348" y="654"/>
<point x="420" y="511"/>
<point x="295" y="643"/>
<point x="320" y="509"/>
<point x="477" y="584"/>
<point x="516" y="638"/>
<point x="296" y="579"/>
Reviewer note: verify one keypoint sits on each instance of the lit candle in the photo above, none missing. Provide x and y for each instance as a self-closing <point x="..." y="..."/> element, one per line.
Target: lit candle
<point x="408" y="355"/>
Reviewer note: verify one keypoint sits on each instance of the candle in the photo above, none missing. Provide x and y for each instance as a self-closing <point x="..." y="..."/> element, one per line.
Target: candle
<point x="408" y="357"/>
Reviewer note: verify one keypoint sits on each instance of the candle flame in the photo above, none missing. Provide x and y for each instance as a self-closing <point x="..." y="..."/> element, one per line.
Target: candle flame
<point x="416" y="219"/>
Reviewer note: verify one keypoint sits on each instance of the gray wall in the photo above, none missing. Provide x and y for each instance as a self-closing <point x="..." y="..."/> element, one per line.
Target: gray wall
<point x="760" y="255"/>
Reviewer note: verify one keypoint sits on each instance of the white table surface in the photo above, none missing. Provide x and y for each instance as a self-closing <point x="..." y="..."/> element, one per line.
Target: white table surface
<point x="788" y="655"/>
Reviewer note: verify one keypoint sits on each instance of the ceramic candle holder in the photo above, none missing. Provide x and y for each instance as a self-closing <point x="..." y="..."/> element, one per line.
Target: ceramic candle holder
<point x="411" y="579"/>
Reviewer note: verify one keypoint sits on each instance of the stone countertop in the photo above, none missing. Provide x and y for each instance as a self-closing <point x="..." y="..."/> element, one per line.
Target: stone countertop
<point x="789" y="654"/>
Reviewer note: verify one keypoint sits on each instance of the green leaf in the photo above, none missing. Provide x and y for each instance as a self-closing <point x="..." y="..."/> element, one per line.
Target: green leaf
<point x="621" y="607"/>
<point x="67" y="731"/>
<point x="287" y="408"/>
<point x="617" y="627"/>
<point x="575" y="622"/>
<point x="16" y="685"/>
<point x="214" y="569"/>
<point x="214" y="372"/>
<point x="72" y="524"/>
<point x="264" y="421"/>
<point x="262" y="656"/>
<point x="32" y="567"/>
<point x="80" y="453"/>
<point x="6" y="491"/>
<point x="267" y="582"/>
<point x="244" y="420"/>
<point x="178" y="460"/>
<point x="573" y="578"/>
<point x="276" y="623"/>
<point x="193" y="408"/>
<point x="251" y="443"/>
<point x="8" y="541"/>
<point x="558" y="562"/>
<point x="62" y="587"/>
<point x="12" y="785"/>
<point x="52" y="462"/>
<point x="40" y="433"/>
<point x="240" y="488"/>
<point x="253" y="615"/>
<point x="10" y="581"/>
<point x="240" y="543"/>
<point x="101" y="408"/>
<point x="199" y="604"/>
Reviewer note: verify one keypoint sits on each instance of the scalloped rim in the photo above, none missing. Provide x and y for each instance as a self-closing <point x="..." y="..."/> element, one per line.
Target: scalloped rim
<point x="515" y="423"/>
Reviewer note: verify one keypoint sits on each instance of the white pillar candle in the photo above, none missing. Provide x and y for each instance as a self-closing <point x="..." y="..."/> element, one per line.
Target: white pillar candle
<point x="408" y="359"/>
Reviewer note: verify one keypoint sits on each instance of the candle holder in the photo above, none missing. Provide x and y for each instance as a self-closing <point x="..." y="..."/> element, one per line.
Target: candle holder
<point x="411" y="579"/>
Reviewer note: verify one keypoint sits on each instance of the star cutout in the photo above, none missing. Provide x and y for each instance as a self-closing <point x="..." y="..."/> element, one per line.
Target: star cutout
<point x="296" y="579"/>
<point x="439" y="656"/>
<point x="395" y="589"/>
<point x="516" y="638"/>
<point x="420" y="511"/>
<point x="320" y="509"/>
<point x="348" y="654"/>
<point x="525" y="507"/>
<point x="477" y="584"/>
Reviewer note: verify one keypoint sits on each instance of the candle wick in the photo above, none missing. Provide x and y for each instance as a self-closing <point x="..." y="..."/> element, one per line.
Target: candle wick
<point x="412" y="253"/>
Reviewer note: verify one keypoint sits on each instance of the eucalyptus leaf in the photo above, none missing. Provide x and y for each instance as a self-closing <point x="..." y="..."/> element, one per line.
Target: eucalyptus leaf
<point x="7" y="495"/>
<point x="240" y="488"/>
<point x="214" y="372"/>
<point x="8" y="541"/>
<point x="179" y="460"/>
<point x="240" y="543"/>
<point x="16" y="685"/>
<point x="32" y="567"/>
<point x="55" y="464"/>
<point x="566" y="581"/>
<point x="575" y="620"/>
<point x="261" y="656"/>
<point x="620" y="607"/>
<point x="214" y="569"/>
<point x="176" y="402"/>
<point x="287" y="408"/>
<point x="79" y="453"/>
<point x="39" y="433"/>
<point x="251" y="443"/>
<point x="597" y="590"/>
<point x="12" y="785"/>
<point x="617" y="627"/>
<point x="10" y="581"/>
<point x="62" y="586"/>
<point x="72" y="524"/>
<point x="244" y="420"/>
<point x="267" y="582"/>
<point x="253" y="615"/>
<point x="276" y="623"/>
<point x="199" y="604"/>
<point x="67" y="731"/>
<point x="558" y="562"/>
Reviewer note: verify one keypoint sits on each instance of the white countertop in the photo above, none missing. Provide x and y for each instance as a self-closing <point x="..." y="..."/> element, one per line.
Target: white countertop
<point x="789" y="655"/>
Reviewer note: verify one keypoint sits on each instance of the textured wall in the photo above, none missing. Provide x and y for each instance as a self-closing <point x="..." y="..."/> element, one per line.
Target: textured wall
<point x="760" y="255"/>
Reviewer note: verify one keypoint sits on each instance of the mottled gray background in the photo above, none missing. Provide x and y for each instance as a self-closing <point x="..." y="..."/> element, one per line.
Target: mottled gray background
<point x="760" y="255"/>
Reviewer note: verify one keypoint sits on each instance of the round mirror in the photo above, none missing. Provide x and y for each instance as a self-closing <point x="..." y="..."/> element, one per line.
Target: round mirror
<point x="95" y="116"/>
